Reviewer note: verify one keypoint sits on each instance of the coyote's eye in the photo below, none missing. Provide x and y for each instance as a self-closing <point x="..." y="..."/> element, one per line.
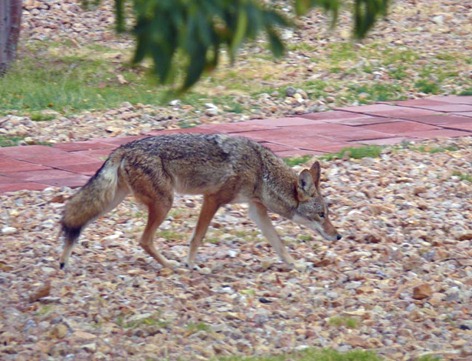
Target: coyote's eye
<point x="321" y="214"/>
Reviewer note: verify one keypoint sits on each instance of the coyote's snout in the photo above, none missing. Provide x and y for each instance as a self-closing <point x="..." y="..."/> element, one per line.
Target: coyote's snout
<point x="223" y="169"/>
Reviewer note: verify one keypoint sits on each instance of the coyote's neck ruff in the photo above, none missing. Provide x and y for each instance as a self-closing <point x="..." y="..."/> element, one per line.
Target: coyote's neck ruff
<point x="223" y="169"/>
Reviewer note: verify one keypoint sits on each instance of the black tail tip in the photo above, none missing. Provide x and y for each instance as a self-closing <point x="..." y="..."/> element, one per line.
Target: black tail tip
<point x="71" y="234"/>
<point x="62" y="265"/>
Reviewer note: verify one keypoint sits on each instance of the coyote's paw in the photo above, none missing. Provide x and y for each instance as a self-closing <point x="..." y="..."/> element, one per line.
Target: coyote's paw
<point x="172" y="264"/>
<point x="201" y="270"/>
<point x="204" y="270"/>
<point x="300" y="266"/>
<point x="191" y="266"/>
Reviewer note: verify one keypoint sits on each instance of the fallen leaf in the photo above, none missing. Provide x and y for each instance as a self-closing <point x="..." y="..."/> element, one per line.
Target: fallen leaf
<point x="422" y="291"/>
<point x="58" y="199"/>
<point x="43" y="291"/>
<point x="121" y="79"/>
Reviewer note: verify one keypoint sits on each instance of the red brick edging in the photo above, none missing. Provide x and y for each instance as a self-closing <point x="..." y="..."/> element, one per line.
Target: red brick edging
<point x="37" y="167"/>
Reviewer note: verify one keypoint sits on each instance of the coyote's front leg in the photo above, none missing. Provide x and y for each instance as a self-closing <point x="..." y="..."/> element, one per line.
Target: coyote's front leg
<point x="258" y="214"/>
<point x="209" y="208"/>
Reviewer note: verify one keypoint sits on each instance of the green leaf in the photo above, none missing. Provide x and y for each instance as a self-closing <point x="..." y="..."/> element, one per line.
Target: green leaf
<point x="199" y="31"/>
<point x="195" y="68"/>
<point x="142" y="46"/>
<point x="120" y="16"/>
<point x="241" y="29"/>
<point x="366" y="13"/>
<point x="163" y="61"/>
<point x="276" y="45"/>
<point x="88" y="4"/>
<point x="303" y="6"/>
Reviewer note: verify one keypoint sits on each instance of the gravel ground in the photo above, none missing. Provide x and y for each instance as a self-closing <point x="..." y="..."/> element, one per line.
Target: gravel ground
<point x="398" y="283"/>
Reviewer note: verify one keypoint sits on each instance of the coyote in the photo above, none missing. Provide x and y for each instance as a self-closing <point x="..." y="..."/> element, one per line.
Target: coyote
<point x="222" y="168"/>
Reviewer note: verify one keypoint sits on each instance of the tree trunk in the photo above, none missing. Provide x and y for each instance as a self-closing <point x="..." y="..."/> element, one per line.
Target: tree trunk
<point x="10" y="24"/>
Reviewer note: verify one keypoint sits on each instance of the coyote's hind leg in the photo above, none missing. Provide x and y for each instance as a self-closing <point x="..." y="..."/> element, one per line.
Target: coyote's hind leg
<point x="157" y="214"/>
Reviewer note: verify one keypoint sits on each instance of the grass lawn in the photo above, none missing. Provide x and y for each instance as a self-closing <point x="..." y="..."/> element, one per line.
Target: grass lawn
<point x="99" y="77"/>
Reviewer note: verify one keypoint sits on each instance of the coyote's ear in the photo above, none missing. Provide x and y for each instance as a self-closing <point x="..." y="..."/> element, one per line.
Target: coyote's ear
<point x="315" y="171"/>
<point x="305" y="186"/>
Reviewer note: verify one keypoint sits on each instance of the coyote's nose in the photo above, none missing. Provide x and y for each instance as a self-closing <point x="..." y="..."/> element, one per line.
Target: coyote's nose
<point x="338" y="237"/>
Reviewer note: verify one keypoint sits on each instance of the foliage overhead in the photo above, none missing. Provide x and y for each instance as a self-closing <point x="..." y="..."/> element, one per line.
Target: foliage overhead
<point x="185" y="38"/>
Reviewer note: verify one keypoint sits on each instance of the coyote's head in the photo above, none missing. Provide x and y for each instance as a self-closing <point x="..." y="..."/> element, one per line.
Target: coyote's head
<point x="312" y="210"/>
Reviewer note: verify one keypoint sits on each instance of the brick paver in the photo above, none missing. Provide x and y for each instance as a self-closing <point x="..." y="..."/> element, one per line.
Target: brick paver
<point x="36" y="167"/>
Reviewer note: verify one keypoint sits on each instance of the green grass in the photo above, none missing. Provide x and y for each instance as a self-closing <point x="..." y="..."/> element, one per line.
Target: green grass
<point x="347" y="322"/>
<point x="399" y="72"/>
<point x="82" y="79"/>
<point x="376" y="92"/>
<point x="428" y="358"/>
<point x="297" y="160"/>
<point x="427" y="86"/>
<point x="169" y="234"/>
<point x="426" y="148"/>
<point x="91" y="78"/>
<point x="434" y="76"/>
<point x="235" y="107"/>
<point x="42" y="116"/>
<point x="44" y="310"/>
<point x="153" y="320"/>
<point x="246" y="234"/>
<point x="316" y="88"/>
<point x="446" y="56"/>
<point x="213" y="240"/>
<point x="187" y="124"/>
<point x="305" y="237"/>
<point x="311" y="355"/>
<point x="432" y="72"/>
<point x="302" y="47"/>
<point x="433" y="149"/>
<point x="466" y="91"/>
<point x="72" y="84"/>
<point x="248" y="292"/>
<point x="6" y="141"/>
<point x="199" y="326"/>
<point x="463" y="176"/>
<point x="368" y="151"/>
<point x="342" y="51"/>
<point x="394" y="55"/>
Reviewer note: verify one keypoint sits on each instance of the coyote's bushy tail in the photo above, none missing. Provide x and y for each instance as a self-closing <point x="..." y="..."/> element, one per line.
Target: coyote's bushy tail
<point x="103" y="192"/>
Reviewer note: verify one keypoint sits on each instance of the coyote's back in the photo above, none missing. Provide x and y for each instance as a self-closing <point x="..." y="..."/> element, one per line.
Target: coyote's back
<point x="223" y="169"/>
